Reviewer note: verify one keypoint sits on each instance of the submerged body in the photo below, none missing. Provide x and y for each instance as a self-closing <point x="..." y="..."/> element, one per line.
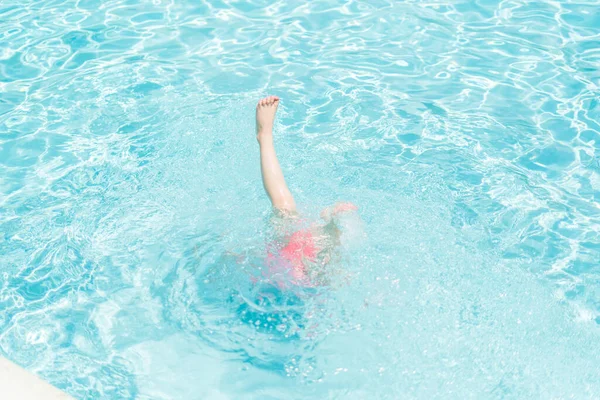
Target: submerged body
<point x="301" y="257"/>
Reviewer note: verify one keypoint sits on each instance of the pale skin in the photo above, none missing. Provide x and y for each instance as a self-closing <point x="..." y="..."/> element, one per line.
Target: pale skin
<point x="272" y="176"/>
<point x="313" y="266"/>
<point x="327" y="236"/>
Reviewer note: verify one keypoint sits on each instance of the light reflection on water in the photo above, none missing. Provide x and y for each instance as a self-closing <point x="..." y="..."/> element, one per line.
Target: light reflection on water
<point x="133" y="222"/>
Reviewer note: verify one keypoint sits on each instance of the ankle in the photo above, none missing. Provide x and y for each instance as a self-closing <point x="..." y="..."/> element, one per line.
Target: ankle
<point x="264" y="136"/>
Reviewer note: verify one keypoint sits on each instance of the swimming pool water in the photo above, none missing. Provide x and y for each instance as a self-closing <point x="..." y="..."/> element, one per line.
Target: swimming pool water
<point x="132" y="213"/>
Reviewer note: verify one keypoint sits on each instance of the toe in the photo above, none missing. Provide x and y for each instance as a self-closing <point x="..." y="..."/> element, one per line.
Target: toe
<point x="267" y="101"/>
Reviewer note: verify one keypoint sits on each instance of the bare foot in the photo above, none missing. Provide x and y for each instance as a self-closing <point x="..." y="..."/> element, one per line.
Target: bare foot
<point x="265" y="115"/>
<point x="337" y="209"/>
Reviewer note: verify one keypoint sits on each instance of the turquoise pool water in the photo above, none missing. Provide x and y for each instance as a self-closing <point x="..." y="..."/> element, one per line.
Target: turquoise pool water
<point x="132" y="212"/>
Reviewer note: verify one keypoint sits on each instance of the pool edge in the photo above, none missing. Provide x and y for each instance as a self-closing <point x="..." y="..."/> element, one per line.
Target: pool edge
<point x="19" y="384"/>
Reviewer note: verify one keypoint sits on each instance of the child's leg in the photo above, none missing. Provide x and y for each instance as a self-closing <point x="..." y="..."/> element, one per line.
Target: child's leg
<point x="272" y="176"/>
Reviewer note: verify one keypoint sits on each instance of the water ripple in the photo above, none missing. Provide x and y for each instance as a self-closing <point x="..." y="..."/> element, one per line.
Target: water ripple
<point x="133" y="223"/>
